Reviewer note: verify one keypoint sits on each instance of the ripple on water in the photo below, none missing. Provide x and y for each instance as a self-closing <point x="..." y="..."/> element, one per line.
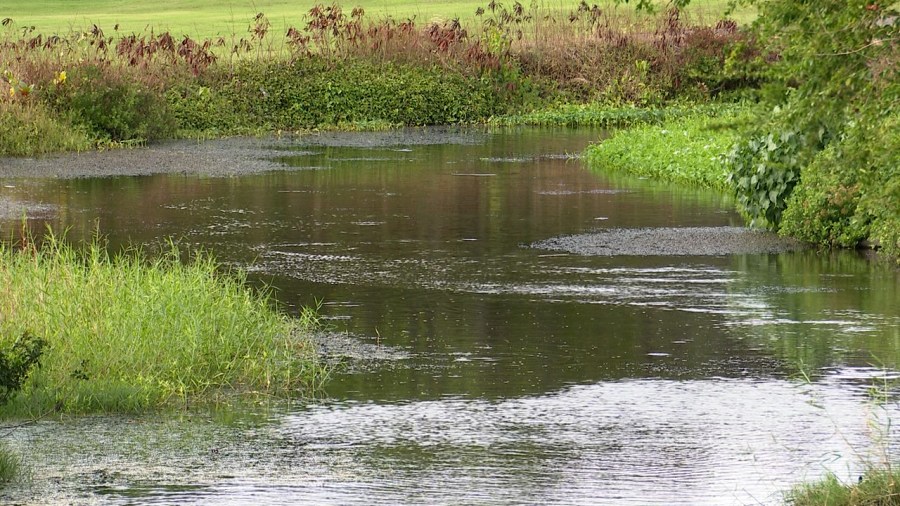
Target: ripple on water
<point x="629" y="442"/>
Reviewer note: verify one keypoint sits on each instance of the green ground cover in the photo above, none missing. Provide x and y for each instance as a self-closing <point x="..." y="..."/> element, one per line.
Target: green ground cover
<point x="690" y="150"/>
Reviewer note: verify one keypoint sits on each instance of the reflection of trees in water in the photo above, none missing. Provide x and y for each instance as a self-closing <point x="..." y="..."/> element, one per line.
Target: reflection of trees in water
<point x="819" y="310"/>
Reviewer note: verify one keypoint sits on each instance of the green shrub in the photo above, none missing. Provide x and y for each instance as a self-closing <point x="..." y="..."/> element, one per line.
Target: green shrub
<point x="823" y="167"/>
<point x="312" y="93"/>
<point x="839" y="207"/>
<point x="202" y="107"/>
<point x="16" y="363"/>
<point x="112" y="105"/>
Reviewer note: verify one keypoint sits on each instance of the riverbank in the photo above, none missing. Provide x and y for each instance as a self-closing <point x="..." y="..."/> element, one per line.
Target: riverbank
<point x="831" y="206"/>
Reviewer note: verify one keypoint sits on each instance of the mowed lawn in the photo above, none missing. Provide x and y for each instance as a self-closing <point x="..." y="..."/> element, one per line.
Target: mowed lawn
<point x="205" y="18"/>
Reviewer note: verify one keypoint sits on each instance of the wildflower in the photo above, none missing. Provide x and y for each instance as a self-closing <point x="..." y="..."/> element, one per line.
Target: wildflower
<point x="12" y="92"/>
<point x="60" y="78"/>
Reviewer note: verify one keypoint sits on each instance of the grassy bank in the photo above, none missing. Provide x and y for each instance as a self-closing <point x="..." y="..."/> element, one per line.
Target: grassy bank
<point x="124" y="334"/>
<point x="605" y="115"/>
<point x="690" y="150"/>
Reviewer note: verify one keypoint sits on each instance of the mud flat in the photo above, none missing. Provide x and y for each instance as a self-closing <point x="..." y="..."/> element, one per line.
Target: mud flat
<point x="233" y="156"/>
<point x="687" y="241"/>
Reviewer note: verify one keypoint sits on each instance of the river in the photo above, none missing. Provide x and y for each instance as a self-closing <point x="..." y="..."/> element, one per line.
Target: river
<point x="483" y="356"/>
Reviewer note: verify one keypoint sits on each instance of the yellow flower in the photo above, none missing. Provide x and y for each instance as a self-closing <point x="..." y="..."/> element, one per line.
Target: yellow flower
<point x="12" y="91"/>
<point x="60" y="78"/>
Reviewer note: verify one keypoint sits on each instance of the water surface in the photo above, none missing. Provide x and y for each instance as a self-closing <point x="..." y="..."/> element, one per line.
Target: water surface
<point x="492" y="371"/>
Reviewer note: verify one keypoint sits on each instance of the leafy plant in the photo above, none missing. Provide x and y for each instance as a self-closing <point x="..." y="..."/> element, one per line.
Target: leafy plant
<point x="763" y="172"/>
<point x="17" y="361"/>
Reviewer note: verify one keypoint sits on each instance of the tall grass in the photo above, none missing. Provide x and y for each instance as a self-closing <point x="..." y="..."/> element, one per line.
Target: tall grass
<point x="203" y="18"/>
<point x="9" y="466"/>
<point x="877" y="487"/>
<point x="32" y="129"/>
<point x="127" y="333"/>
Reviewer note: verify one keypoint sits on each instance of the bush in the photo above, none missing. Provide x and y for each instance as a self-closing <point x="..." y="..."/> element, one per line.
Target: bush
<point x="113" y="105"/>
<point x="840" y="207"/>
<point x="833" y="137"/>
<point x="17" y="362"/>
<point x="202" y="108"/>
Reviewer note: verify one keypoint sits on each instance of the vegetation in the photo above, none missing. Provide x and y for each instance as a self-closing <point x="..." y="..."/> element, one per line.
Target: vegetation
<point x="342" y="68"/>
<point x="9" y="465"/>
<point x="687" y="150"/>
<point x="603" y="115"/>
<point x="877" y="487"/>
<point x="823" y="163"/>
<point x="123" y="334"/>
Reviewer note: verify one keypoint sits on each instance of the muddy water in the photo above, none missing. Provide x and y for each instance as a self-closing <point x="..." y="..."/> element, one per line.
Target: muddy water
<point x="512" y="328"/>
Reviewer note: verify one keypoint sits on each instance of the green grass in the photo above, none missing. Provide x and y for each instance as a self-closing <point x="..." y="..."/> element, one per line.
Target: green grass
<point x="688" y="150"/>
<point x="200" y="18"/>
<point x="127" y="334"/>
<point x="878" y="487"/>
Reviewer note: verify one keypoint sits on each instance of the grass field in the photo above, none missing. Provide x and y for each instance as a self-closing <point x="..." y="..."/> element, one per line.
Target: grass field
<point x="201" y="18"/>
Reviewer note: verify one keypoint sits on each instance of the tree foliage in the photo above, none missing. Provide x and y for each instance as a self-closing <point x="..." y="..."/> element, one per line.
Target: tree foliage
<point x="826" y="124"/>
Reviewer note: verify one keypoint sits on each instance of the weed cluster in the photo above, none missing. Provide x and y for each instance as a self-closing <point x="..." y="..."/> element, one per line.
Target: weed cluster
<point x="9" y="465"/>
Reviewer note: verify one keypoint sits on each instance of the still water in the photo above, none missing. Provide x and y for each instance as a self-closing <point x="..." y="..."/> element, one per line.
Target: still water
<point x="476" y="367"/>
